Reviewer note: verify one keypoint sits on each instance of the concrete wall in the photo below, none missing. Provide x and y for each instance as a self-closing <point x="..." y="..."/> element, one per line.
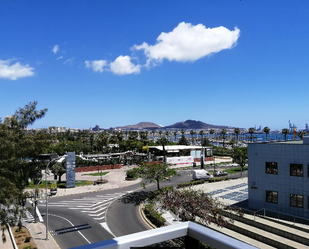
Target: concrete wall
<point x="97" y="168"/>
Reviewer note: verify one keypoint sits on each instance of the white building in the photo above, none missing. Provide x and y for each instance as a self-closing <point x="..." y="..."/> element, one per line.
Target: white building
<point x="278" y="176"/>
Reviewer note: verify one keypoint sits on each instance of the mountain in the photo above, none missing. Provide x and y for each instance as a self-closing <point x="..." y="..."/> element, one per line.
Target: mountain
<point x="192" y="124"/>
<point x="141" y="125"/>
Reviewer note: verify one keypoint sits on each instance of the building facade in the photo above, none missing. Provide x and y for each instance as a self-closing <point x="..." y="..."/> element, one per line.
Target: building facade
<point x="278" y="176"/>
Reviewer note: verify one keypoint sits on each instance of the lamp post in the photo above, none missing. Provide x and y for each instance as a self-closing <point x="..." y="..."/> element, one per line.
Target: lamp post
<point x="47" y="195"/>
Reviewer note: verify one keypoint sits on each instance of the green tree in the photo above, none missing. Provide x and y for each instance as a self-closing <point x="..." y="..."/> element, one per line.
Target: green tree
<point x="240" y="156"/>
<point x="251" y="131"/>
<point x="285" y="132"/>
<point x="19" y="152"/>
<point x="58" y="169"/>
<point x="266" y="130"/>
<point x="183" y="140"/>
<point x="193" y="205"/>
<point x="156" y="172"/>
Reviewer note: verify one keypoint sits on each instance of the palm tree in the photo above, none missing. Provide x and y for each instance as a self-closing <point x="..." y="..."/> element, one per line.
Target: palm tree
<point x="163" y="141"/>
<point x="182" y="131"/>
<point x="175" y="135"/>
<point x="167" y="133"/>
<point x="301" y="134"/>
<point x="201" y="133"/>
<point x="160" y="133"/>
<point x="237" y="131"/>
<point x="153" y="133"/>
<point x="211" y="131"/>
<point x="251" y="131"/>
<point x="223" y="132"/>
<point x="285" y="132"/>
<point x="266" y="130"/>
<point x="192" y="133"/>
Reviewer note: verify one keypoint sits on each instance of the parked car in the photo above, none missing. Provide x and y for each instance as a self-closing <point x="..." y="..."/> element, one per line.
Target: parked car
<point x="220" y="173"/>
<point x="201" y="174"/>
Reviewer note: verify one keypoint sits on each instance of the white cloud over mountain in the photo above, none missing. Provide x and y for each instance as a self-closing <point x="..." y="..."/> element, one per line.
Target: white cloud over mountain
<point x="185" y="43"/>
<point x="189" y="43"/>
<point x="14" y="71"/>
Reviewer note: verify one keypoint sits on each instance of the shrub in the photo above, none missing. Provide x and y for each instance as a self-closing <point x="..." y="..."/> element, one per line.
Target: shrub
<point x="153" y="216"/>
<point x="131" y="173"/>
<point x="188" y="184"/>
<point x="219" y="179"/>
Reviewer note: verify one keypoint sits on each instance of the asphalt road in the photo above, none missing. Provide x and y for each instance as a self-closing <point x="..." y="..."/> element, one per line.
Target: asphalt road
<point x="86" y="218"/>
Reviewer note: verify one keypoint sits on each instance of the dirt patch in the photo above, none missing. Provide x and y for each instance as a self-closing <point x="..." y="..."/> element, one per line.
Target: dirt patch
<point x="23" y="238"/>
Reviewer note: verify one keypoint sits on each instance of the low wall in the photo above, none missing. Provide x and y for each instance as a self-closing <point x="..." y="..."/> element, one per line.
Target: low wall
<point x="207" y="159"/>
<point x="98" y="168"/>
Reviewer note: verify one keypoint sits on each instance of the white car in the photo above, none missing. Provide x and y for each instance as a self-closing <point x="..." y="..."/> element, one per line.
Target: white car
<point x="201" y="174"/>
<point x="220" y="173"/>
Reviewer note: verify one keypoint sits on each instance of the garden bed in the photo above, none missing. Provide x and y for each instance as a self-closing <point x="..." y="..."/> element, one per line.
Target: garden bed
<point x="23" y="238"/>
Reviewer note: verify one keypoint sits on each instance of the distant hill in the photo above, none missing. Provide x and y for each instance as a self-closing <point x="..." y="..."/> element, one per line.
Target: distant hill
<point x="141" y="125"/>
<point x="192" y="124"/>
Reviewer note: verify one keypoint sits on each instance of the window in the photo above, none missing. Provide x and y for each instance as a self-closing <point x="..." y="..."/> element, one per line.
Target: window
<point x="272" y="196"/>
<point x="296" y="169"/>
<point x="271" y="168"/>
<point x="296" y="200"/>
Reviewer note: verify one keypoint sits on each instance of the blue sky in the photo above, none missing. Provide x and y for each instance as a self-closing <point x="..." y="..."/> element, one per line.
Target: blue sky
<point x="115" y="63"/>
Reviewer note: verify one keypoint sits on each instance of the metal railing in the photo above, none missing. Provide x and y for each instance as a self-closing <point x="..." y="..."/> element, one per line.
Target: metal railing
<point x="284" y="216"/>
<point x="149" y="237"/>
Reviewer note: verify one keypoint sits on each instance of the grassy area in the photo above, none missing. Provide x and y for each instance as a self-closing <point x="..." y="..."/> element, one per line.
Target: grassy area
<point x="205" y="166"/>
<point x="60" y="185"/>
<point x="97" y="174"/>
<point x="235" y="170"/>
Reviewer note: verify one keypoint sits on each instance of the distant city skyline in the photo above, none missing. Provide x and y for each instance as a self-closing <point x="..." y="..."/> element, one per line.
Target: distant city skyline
<point x="117" y="63"/>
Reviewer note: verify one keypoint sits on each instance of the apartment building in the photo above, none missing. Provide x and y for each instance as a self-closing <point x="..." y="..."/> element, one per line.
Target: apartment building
<point x="278" y="176"/>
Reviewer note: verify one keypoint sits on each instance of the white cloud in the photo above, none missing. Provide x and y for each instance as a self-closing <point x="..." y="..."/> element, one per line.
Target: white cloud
<point x="123" y="65"/>
<point x="69" y="61"/>
<point x="14" y="71"/>
<point x="59" y="58"/>
<point x="55" y="49"/>
<point x="189" y="43"/>
<point x="96" y="66"/>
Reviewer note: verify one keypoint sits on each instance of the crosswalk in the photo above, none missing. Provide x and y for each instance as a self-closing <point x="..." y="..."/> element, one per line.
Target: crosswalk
<point x="29" y="217"/>
<point x="95" y="207"/>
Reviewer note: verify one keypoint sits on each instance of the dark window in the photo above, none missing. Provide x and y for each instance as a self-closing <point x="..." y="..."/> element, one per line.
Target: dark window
<point x="271" y="168"/>
<point x="296" y="200"/>
<point x="296" y="169"/>
<point x="271" y="196"/>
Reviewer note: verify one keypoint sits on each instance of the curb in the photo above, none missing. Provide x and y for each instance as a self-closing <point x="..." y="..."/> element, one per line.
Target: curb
<point x="145" y="218"/>
<point x="12" y="237"/>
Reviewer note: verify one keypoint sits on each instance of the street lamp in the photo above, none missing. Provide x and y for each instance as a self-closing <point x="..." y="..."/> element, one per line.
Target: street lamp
<point x="47" y="195"/>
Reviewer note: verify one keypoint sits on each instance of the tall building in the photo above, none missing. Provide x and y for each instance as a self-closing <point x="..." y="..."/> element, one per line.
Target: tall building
<point x="278" y="176"/>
